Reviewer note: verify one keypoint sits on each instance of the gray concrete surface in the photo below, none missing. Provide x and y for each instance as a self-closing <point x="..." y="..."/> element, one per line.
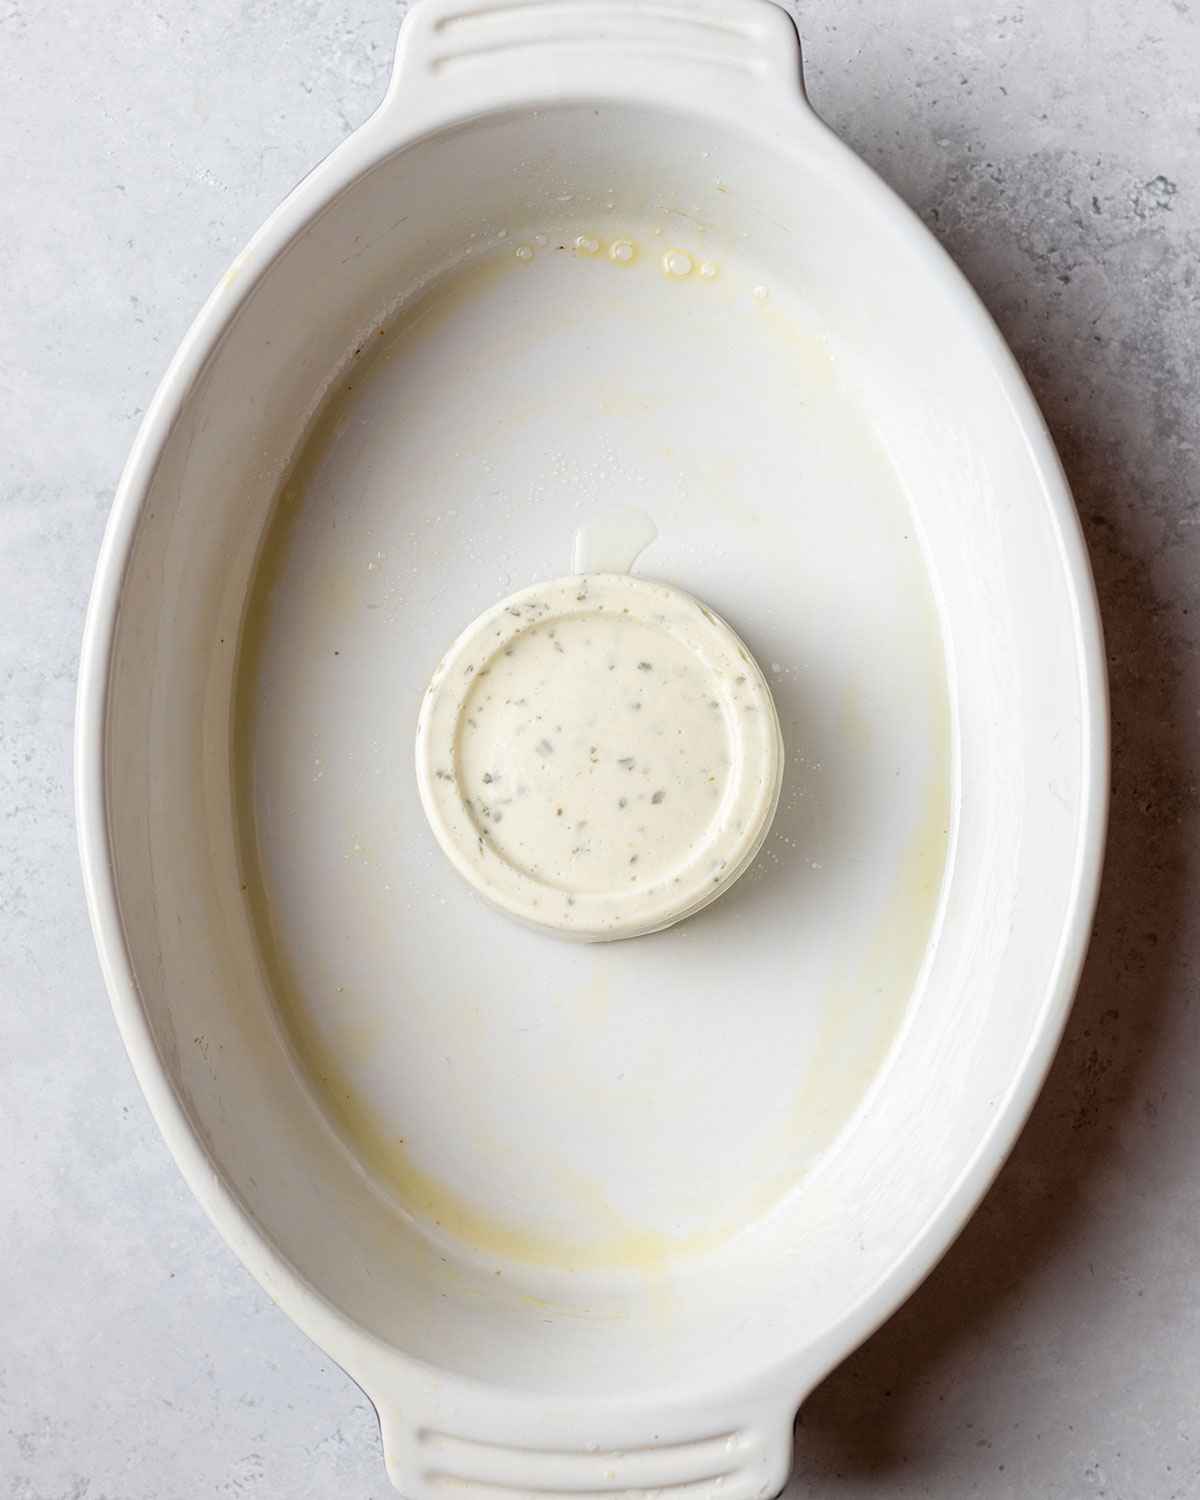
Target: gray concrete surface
<point x="1053" y="148"/>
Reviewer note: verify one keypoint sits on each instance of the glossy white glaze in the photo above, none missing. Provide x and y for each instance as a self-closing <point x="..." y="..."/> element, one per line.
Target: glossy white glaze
<point x="535" y="1297"/>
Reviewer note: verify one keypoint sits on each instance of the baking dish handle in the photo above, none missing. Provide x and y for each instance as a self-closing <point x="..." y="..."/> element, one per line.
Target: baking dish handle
<point x="722" y="1455"/>
<point x="458" y="57"/>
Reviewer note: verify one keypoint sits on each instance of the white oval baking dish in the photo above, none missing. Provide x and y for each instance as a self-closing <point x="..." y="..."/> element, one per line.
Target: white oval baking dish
<point x="584" y="1221"/>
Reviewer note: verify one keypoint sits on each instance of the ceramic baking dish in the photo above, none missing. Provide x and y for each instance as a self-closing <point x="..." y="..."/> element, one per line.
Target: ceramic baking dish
<point x="590" y="1220"/>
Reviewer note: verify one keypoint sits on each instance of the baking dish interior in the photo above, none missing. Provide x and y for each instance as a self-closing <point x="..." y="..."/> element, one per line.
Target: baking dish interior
<point x="937" y="393"/>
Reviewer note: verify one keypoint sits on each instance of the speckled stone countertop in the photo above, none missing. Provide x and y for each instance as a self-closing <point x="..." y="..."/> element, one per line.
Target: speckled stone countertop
<point x="1053" y="149"/>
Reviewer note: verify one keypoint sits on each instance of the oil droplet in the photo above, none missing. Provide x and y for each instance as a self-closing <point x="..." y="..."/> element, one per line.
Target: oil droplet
<point x="524" y="252"/>
<point x="760" y="293"/>
<point x="613" y="540"/>
<point x="586" y="245"/>
<point x="502" y="234"/>
<point x="677" y="263"/>
<point x="624" y="252"/>
<point x="709" y="270"/>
